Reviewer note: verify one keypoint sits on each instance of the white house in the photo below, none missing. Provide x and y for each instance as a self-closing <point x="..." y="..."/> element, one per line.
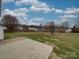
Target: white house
<point x="2" y="32"/>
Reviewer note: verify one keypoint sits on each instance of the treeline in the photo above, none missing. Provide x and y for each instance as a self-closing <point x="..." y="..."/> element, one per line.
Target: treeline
<point x="12" y="24"/>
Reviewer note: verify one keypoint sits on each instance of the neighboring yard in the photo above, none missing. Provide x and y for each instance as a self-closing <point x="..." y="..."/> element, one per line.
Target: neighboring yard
<point x="66" y="44"/>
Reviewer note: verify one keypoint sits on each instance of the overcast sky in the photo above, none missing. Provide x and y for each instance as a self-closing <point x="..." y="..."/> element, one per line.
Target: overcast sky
<point x="42" y="11"/>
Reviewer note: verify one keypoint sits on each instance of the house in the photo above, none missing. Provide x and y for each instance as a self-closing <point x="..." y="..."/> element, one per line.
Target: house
<point x="2" y="32"/>
<point x="22" y="28"/>
<point x="60" y="29"/>
<point x="33" y="28"/>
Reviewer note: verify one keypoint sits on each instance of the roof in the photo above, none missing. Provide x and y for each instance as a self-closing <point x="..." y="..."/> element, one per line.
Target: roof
<point x="2" y="27"/>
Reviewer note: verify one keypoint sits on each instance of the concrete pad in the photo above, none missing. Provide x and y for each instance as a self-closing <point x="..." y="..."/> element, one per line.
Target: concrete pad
<point x="25" y="49"/>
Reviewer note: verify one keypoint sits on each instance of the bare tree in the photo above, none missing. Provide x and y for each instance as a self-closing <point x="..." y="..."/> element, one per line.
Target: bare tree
<point x="10" y="22"/>
<point x="51" y="27"/>
<point x="65" y="24"/>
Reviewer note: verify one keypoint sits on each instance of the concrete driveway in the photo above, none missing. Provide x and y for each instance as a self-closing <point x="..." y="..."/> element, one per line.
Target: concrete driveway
<point x="25" y="49"/>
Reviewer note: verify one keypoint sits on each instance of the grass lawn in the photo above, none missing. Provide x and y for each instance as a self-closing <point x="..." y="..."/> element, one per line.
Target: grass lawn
<point x="66" y="44"/>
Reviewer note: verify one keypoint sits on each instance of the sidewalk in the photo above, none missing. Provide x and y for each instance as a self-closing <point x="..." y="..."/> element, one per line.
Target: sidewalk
<point x="25" y="49"/>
